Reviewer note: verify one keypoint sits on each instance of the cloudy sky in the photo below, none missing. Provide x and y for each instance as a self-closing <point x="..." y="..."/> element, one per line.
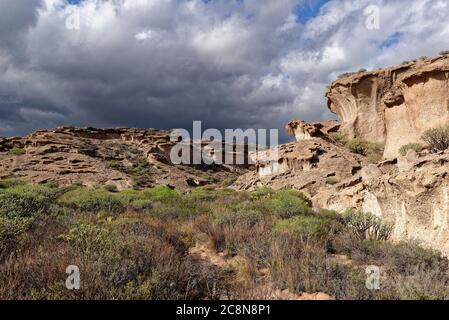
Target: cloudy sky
<point x="165" y="63"/>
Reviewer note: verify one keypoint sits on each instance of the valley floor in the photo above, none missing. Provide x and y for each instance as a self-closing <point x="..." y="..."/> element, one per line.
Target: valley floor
<point x="207" y="244"/>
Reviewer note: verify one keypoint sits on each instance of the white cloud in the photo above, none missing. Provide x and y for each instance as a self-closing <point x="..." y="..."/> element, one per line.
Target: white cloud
<point x="164" y="63"/>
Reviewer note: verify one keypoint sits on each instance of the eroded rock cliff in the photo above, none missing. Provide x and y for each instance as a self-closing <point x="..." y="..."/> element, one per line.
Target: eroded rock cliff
<point x="395" y="105"/>
<point x="412" y="193"/>
<point x="124" y="157"/>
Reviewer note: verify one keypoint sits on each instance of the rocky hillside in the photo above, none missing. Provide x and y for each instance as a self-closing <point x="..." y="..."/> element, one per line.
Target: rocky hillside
<point x="121" y="157"/>
<point x="395" y="105"/>
<point x="411" y="192"/>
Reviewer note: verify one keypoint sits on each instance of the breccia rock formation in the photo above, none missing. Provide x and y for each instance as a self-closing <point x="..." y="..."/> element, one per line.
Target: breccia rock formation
<point x="124" y="157"/>
<point x="395" y="105"/>
<point x="411" y="192"/>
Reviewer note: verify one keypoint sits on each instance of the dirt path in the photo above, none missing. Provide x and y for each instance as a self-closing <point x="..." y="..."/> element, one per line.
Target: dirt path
<point x="202" y="252"/>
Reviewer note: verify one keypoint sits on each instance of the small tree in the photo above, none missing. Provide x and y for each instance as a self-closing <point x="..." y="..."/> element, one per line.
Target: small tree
<point x="367" y="226"/>
<point x="437" y="138"/>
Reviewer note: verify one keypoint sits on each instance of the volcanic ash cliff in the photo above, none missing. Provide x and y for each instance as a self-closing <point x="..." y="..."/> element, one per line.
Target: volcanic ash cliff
<point x="395" y="105"/>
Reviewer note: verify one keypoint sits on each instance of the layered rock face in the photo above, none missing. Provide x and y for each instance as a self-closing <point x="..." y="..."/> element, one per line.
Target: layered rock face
<point x="313" y="166"/>
<point x="395" y="105"/>
<point x="412" y="193"/>
<point x="124" y="157"/>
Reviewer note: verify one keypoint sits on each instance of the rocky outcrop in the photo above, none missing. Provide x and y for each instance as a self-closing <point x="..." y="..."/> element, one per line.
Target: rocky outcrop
<point x="313" y="166"/>
<point x="395" y="105"/>
<point x="124" y="157"/>
<point x="411" y="192"/>
<point x="304" y="131"/>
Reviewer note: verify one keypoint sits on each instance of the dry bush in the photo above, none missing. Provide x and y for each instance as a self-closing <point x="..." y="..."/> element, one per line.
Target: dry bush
<point x="129" y="258"/>
<point x="437" y="138"/>
<point x="279" y="241"/>
<point x="304" y="266"/>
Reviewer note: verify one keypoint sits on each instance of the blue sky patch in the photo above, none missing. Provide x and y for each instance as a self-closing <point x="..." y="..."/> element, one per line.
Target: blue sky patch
<point x="309" y="9"/>
<point x="391" y="41"/>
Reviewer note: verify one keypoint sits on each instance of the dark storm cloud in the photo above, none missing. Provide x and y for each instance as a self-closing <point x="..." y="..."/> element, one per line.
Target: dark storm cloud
<point x="165" y="63"/>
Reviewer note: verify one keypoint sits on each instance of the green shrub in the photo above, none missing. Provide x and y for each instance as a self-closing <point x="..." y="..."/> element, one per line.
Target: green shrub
<point x="411" y="146"/>
<point x="372" y="150"/>
<point x="244" y="218"/>
<point x="262" y="193"/>
<point x="176" y="210"/>
<point x="92" y="200"/>
<point x="141" y="174"/>
<point x="89" y="238"/>
<point x="10" y="230"/>
<point x="288" y="203"/>
<point x="127" y="197"/>
<point x="437" y="138"/>
<point x="405" y="257"/>
<point x="308" y="226"/>
<point x="201" y="194"/>
<point x="17" y="151"/>
<point x="338" y="137"/>
<point x="25" y="200"/>
<point x="11" y="182"/>
<point x="283" y="204"/>
<point x="111" y="188"/>
<point x="359" y="146"/>
<point x="163" y="194"/>
<point x="367" y="226"/>
<point x="142" y="204"/>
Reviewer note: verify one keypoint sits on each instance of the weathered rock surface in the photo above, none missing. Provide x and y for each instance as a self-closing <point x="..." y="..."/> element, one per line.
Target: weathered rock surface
<point x="414" y="198"/>
<point x="303" y="130"/>
<point x="411" y="192"/>
<point x="313" y="166"/>
<point x="122" y="157"/>
<point x="393" y="105"/>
